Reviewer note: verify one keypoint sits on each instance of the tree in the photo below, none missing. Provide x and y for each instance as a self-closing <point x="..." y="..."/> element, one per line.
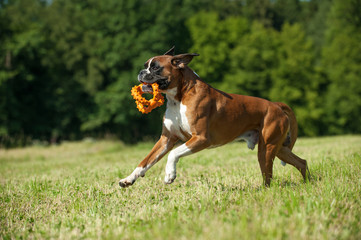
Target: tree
<point x="342" y="63"/>
<point x="22" y="73"/>
<point x="315" y="25"/>
<point x="286" y="11"/>
<point x="296" y="81"/>
<point x="214" y="39"/>
<point x="251" y="62"/>
<point x="259" y="10"/>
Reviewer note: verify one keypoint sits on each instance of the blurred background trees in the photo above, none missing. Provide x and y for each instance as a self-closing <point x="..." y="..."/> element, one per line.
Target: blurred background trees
<point x="67" y="66"/>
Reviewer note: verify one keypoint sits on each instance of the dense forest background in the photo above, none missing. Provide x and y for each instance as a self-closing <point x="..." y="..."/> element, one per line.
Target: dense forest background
<point x="67" y="66"/>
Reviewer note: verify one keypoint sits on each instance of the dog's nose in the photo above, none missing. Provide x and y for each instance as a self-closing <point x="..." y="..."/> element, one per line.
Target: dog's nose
<point x="141" y="75"/>
<point x="142" y="72"/>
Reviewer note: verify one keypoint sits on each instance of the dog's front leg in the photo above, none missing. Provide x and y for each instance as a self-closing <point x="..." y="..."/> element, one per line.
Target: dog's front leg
<point x="195" y="144"/>
<point x="162" y="147"/>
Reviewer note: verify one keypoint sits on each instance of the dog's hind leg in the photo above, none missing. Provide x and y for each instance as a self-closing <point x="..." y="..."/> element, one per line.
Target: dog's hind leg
<point x="286" y="155"/>
<point x="272" y="136"/>
<point x="266" y="155"/>
<point x="286" y="143"/>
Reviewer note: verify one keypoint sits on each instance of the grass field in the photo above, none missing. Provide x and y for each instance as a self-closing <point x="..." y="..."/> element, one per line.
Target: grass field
<point x="71" y="192"/>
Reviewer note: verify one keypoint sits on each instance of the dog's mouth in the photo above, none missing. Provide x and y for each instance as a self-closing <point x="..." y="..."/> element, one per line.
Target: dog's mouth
<point x="163" y="84"/>
<point x="147" y="88"/>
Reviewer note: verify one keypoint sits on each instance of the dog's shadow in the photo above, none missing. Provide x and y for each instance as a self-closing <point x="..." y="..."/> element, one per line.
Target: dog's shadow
<point x="282" y="183"/>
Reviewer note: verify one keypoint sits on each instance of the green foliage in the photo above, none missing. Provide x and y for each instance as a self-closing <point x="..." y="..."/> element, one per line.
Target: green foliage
<point x="23" y="78"/>
<point x="66" y="67"/>
<point x="261" y="11"/>
<point x="316" y="25"/>
<point x="296" y="81"/>
<point x="342" y="63"/>
<point x="251" y="62"/>
<point x="213" y="38"/>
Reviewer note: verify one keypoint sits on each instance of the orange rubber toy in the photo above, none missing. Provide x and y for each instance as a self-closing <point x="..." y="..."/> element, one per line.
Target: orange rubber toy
<point x="144" y="105"/>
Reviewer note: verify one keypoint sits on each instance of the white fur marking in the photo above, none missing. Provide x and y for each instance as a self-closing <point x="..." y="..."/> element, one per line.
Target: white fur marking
<point x="138" y="172"/>
<point x="173" y="158"/>
<point x="150" y="62"/>
<point x="175" y="119"/>
<point x="171" y="93"/>
<point x="184" y="124"/>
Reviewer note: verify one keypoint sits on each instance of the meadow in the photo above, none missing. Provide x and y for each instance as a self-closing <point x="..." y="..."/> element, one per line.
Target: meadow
<point x="71" y="191"/>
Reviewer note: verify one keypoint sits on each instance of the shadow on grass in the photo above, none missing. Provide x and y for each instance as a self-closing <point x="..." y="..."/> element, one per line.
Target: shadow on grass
<point x="283" y="183"/>
<point x="312" y="179"/>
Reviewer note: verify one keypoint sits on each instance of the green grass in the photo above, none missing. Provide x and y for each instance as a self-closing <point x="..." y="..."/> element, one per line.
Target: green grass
<point x="71" y="192"/>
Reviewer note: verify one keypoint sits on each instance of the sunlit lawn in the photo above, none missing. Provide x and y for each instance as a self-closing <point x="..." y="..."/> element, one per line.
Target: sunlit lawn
<point x="71" y="192"/>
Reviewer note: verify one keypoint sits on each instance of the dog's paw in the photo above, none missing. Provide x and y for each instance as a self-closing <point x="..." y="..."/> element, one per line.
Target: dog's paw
<point x="125" y="183"/>
<point x="169" y="178"/>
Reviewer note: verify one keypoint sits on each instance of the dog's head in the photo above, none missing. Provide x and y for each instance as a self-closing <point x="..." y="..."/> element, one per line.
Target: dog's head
<point x="164" y="70"/>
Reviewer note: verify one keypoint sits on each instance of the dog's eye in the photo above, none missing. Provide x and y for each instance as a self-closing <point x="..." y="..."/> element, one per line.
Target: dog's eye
<point x="155" y="67"/>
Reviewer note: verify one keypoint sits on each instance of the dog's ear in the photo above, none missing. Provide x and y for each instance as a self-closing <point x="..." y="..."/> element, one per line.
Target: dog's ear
<point x="170" y="52"/>
<point x="181" y="60"/>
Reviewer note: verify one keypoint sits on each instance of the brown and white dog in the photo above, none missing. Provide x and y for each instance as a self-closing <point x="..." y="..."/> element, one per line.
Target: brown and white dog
<point x="204" y="117"/>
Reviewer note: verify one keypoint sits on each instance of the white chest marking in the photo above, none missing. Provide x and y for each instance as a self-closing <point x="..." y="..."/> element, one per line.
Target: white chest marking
<point x="175" y="119"/>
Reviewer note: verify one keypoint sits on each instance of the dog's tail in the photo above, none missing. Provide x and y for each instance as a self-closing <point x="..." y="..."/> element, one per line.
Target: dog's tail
<point x="292" y="134"/>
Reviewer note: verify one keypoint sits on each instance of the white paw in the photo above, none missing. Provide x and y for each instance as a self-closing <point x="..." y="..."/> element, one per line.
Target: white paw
<point x="126" y="183"/>
<point x="169" y="178"/>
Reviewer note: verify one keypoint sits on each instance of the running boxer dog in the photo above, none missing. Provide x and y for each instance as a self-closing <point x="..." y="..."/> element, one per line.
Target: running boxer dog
<point x="204" y="117"/>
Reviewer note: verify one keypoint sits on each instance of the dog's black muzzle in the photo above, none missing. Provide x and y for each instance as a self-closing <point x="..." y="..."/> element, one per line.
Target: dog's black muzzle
<point x="145" y="77"/>
<point x="150" y="78"/>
